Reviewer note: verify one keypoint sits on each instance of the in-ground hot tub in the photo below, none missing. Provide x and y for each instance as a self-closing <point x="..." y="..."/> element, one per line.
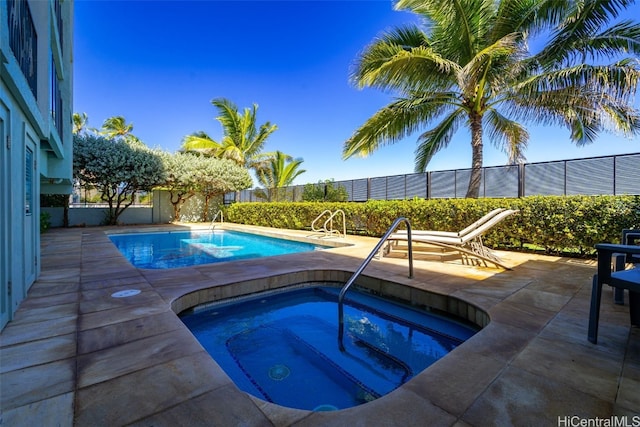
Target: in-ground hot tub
<point x="283" y="347"/>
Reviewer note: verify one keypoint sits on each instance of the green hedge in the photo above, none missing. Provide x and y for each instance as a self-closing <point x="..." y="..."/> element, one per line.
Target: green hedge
<point x="553" y="224"/>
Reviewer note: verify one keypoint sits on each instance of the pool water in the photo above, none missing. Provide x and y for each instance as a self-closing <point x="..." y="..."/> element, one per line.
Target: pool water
<point x="186" y="248"/>
<point x="283" y="348"/>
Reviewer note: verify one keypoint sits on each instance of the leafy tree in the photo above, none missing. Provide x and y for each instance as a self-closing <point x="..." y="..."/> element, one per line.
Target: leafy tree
<point x="324" y="191"/>
<point x="279" y="171"/>
<point x="472" y="67"/>
<point x="242" y="139"/>
<point x="219" y="176"/>
<point x="80" y="126"/>
<point x="116" y="168"/>
<point x="179" y="179"/>
<point x="188" y="175"/>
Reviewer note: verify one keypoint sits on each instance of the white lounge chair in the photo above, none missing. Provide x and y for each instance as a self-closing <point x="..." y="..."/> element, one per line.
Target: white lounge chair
<point x="468" y="243"/>
<point x="460" y="233"/>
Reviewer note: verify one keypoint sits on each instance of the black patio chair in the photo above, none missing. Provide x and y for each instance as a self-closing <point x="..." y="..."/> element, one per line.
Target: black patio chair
<point x="623" y="279"/>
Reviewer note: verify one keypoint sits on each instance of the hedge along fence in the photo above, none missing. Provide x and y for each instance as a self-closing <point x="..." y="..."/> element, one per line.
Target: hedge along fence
<point x="555" y="224"/>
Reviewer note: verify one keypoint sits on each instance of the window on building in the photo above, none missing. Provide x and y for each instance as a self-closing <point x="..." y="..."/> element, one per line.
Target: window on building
<point x="23" y="40"/>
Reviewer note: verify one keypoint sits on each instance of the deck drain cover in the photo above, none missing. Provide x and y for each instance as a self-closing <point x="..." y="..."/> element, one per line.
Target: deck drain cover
<point x="279" y="372"/>
<point x="125" y="293"/>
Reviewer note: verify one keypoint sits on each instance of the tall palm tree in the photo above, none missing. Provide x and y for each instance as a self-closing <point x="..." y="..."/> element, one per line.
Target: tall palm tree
<point x="472" y="67"/>
<point x="242" y="139"/>
<point x="279" y="171"/>
<point x="117" y="126"/>
<point x="80" y="121"/>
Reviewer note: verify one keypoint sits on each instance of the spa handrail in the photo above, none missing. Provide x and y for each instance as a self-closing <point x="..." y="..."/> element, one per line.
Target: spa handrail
<point x="364" y="264"/>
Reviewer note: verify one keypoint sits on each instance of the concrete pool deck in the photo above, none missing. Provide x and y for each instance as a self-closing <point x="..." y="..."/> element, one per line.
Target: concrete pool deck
<point x="74" y="355"/>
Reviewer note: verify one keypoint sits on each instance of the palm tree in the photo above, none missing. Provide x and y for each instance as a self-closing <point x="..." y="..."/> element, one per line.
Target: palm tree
<point x="472" y="67"/>
<point x="117" y="126"/>
<point x="279" y="171"/>
<point x="80" y="121"/>
<point x="242" y="139"/>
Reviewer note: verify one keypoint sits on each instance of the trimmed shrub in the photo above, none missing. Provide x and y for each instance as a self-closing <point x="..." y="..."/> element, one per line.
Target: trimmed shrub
<point x="552" y="224"/>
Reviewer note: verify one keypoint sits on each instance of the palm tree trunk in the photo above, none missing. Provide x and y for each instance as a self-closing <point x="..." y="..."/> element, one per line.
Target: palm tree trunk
<point x="476" y="156"/>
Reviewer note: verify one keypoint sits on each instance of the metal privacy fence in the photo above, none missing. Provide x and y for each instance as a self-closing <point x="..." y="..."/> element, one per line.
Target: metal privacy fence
<point x="614" y="175"/>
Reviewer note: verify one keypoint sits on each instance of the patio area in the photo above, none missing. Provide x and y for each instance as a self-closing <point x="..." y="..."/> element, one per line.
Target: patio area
<point x="73" y="355"/>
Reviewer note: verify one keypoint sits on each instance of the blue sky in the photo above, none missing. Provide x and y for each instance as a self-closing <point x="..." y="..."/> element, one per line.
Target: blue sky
<point x="160" y="63"/>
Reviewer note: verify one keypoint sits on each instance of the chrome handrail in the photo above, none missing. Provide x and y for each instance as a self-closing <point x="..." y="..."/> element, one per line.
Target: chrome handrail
<point x="364" y="264"/>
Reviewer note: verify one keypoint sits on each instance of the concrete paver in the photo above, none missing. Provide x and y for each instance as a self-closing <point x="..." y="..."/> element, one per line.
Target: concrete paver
<point x="74" y="355"/>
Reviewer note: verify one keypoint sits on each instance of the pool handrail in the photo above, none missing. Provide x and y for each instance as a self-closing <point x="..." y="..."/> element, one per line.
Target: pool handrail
<point x="313" y="223"/>
<point x="364" y="264"/>
<point x="330" y="230"/>
<point x="216" y="217"/>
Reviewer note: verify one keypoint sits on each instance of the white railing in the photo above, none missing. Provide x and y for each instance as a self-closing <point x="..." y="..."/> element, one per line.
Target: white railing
<point x="219" y="213"/>
<point x="327" y="227"/>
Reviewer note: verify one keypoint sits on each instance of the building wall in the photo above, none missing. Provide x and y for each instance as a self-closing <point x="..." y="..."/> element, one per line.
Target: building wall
<point x="161" y="212"/>
<point x="89" y="217"/>
<point x="36" y="72"/>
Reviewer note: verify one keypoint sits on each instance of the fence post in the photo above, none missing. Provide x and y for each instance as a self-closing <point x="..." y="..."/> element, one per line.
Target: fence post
<point x="615" y="161"/>
<point x="483" y="179"/>
<point x="564" y="190"/>
<point x="521" y="180"/>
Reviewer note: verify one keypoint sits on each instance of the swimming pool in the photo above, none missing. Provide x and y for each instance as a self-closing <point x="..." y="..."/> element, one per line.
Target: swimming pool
<point x="185" y="248"/>
<point x="283" y="347"/>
